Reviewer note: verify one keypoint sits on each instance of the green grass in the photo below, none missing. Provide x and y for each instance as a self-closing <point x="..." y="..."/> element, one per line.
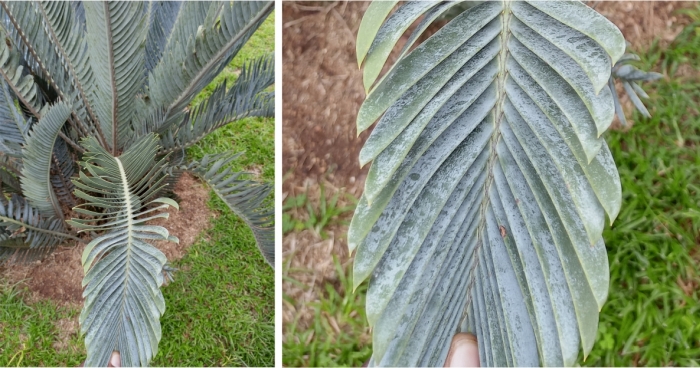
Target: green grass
<point x="653" y="246"/>
<point x="29" y="333"/>
<point x="220" y="308"/>
<point x="338" y="328"/>
<point x="685" y="49"/>
<point x="318" y="216"/>
<point x="649" y="319"/>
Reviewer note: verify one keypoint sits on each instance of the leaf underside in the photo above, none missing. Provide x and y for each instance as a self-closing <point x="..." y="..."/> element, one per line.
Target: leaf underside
<point x="485" y="203"/>
<point x="123" y="272"/>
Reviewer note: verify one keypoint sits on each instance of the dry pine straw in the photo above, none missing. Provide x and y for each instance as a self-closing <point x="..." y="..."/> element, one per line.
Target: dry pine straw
<point x="323" y="91"/>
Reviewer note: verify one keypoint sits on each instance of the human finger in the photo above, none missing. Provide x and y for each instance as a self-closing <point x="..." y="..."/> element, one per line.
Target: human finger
<point x="115" y="360"/>
<point x="464" y="351"/>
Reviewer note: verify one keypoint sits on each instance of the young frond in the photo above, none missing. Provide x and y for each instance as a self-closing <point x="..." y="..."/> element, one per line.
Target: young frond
<point x="123" y="272"/>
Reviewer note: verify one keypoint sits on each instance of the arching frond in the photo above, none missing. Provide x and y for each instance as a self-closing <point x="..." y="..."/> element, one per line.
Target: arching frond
<point x="56" y="48"/>
<point x="37" y="156"/>
<point x="485" y="204"/>
<point x="123" y="273"/>
<point x="193" y="60"/>
<point x="13" y="127"/>
<point x="245" y="198"/>
<point x="244" y="99"/>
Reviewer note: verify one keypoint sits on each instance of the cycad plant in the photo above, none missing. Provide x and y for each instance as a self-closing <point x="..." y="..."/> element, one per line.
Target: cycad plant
<point x="484" y="207"/>
<point x="94" y="120"/>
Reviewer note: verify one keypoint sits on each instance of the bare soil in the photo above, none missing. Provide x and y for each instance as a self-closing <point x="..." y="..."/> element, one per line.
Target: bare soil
<point x="641" y="22"/>
<point x="322" y="92"/>
<point x="59" y="276"/>
<point x="321" y="96"/>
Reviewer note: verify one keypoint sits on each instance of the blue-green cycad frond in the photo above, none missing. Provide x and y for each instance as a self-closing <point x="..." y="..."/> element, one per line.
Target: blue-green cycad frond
<point x="14" y="128"/>
<point x="490" y="183"/>
<point x="163" y="15"/>
<point x="246" y="198"/>
<point x="192" y="60"/>
<point x="25" y="235"/>
<point x="116" y="38"/>
<point x="55" y="49"/>
<point x="37" y="157"/>
<point x="96" y="81"/>
<point x="20" y="83"/>
<point x="246" y="98"/>
<point x="123" y="272"/>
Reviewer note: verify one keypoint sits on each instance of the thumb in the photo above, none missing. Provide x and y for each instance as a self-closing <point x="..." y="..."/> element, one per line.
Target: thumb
<point x="463" y="351"/>
<point x="115" y="360"/>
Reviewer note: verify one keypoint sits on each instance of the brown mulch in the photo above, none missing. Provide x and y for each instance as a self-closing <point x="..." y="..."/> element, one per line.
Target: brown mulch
<point x="191" y="220"/>
<point x="321" y="96"/>
<point x="59" y="276"/>
<point x="643" y="21"/>
<point x="322" y="92"/>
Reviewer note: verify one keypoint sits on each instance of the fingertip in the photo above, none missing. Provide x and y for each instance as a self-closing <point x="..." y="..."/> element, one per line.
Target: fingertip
<point x="115" y="360"/>
<point x="464" y="351"/>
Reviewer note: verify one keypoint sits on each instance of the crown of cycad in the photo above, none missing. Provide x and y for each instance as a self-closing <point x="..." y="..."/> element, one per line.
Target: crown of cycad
<point x="94" y="118"/>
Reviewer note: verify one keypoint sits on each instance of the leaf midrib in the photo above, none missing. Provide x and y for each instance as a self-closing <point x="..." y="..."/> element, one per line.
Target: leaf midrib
<point x="493" y="142"/>
<point x="113" y="78"/>
<point x="129" y="237"/>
